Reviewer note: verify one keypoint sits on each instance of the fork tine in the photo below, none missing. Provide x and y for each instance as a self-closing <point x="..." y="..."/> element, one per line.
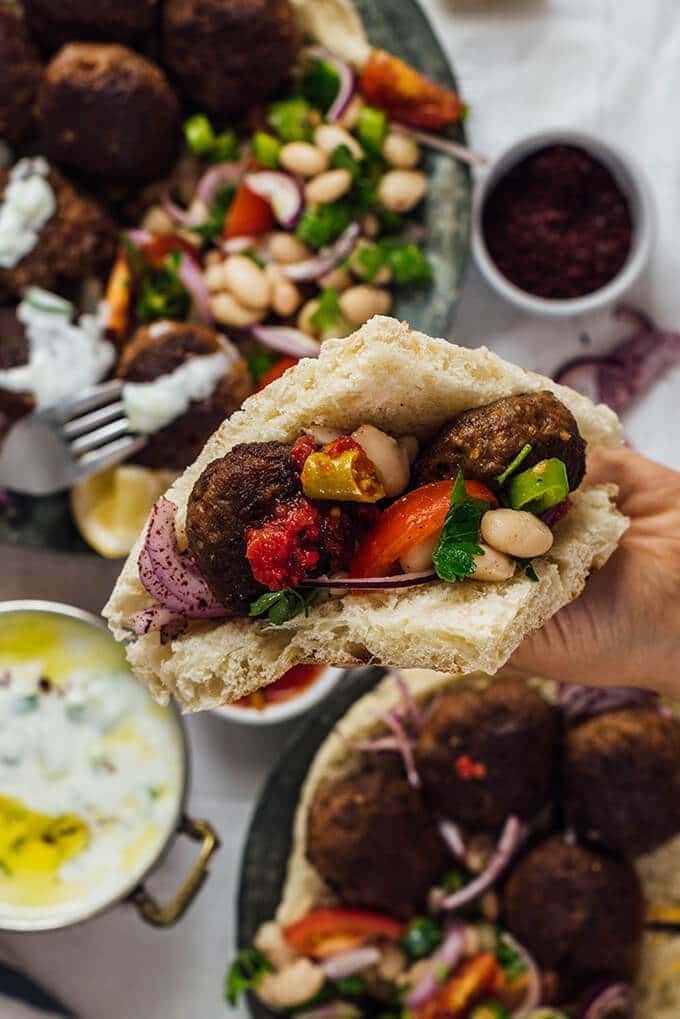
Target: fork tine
<point x="110" y="455"/>
<point x="88" y="422"/>
<point x="89" y="399"/>
<point x="99" y="437"/>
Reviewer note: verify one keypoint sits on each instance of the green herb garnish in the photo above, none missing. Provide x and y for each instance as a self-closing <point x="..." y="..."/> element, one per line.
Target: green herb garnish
<point x="245" y="973"/>
<point x="203" y="142"/>
<point x="281" y="606"/>
<point x="490" y="1010"/>
<point x="328" y="313"/>
<point x="290" y="119"/>
<point x="351" y="987"/>
<point x="409" y="265"/>
<point x="367" y="260"/>
<point x="259" y="361"/>
<point x="509" y="958"/>
<point x="514" y="464"/>
<point x="422" y="938"/>
<point x="213" y="226"/>
<point x="342" y="159"/>
<point x="372" y="127"/>
<point x="266" y="149"/>
<point x="163" y="295"/>
<point x="26" y="705"/>
<point x="528" y="567"/>
<point x="454" y="557"/>
<point x="320" y="85"/>
<point x="322" y="226"/>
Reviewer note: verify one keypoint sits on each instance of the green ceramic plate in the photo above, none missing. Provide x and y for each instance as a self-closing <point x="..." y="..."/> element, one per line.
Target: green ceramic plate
<point x="400" y="27"/>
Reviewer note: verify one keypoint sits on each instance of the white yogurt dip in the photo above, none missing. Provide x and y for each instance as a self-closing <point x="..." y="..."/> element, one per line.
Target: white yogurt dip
<point x="151" y="406"/>
<point x="27" y="205"/>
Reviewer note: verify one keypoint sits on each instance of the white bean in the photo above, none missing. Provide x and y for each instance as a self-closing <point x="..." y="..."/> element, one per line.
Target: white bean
<point x="351" y="115"/>
<point x="370" y="225"/>
<point x="387" y="456"/>
<point x="303" y="159"/>
<point x="328" y="187"/>
<point x="420" y="556"/>
<point x="213" y="257"/>
<point x="304" y="322"/>
<point x="329" y="136"/>
<point x="291" y="986"/>
<point x="339" y="279"/>
<point x="401" y="190"/>
<point x="247" y="282"/>
<point x="516" y="532"/>
<point x="492" y="565"/>
<point x="286" y="298"/>
<point x="287" y="248"/>
<point x="392" y="963"/>
<point x="270" y="941"/>
<point x="214" y="277"/>
<point x="360" y="303"/>
<point x="227" y="310"/>
<point x="401" y="150"/>
<point x="157" y="221"/>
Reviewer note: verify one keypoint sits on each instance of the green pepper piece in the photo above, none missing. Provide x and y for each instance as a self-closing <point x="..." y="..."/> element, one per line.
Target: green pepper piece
<point x="422" y="938"/>
<point x="290" y="119"/>
<point x="266" y="149"/>
<point x="372" y="127"/>
<point x="225" y="147"/>
<point x="199" y="134"/>
<point x="540" y="487"/>
<point x="490" y="1010"/>
<point x="321" y="84"/>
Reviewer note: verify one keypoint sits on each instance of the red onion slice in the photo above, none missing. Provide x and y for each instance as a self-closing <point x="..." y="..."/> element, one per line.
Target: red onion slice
<point x="283" y="192"/>
<point x="375" y="746"/>
<point x="582" y="702"/>
<point x="583" y="374"/>
<point x="138" y="237"/>
<point x="311" y="269"/>
<point x="286" y="340"/>
<point x="345" y="964"/>
<point x="411" y="708"/>
<point x="445" y="145"/>
<point x="179" y="215"/>
<point x="347" y="76"/>
<point x="616" y="1001"/>
<point x="534" y="991"/>
<point x="153" y="619"/>
<point x="372" y="583"/>
<point x="220" y="175"/>
<point x="405" y="747"/>
<point x="451" y="835"/>
<point x="154" y="586"/>
<point x="447" y="955"/>
<point x="510" y="841"/>
<point x="192" y="278"/>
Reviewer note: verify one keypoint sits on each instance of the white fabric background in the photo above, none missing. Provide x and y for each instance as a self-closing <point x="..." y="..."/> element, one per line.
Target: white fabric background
<point x="608" y="66"/>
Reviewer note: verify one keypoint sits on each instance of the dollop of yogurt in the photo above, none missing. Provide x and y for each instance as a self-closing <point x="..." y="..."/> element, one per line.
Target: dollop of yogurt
<point x="64" y="356"/>
<point x="28" y="203"/>
<point x="151" y="406"/>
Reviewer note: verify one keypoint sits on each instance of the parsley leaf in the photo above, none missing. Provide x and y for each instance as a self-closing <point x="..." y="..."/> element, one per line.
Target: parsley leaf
<point x="246" y="972"/>
<point x="328" y="314"/>
<point x="163" y="295"/>
<point x="212" y="227"/>
<point x="342" y="159"/>
<point x="409" y="265"/>
<point x="514" y="464"/>
<point x="259" y="361"/>
<point x="454" y="557"/>
<point x="319" y="227"/>
<point x="509" y="958"/>
<point x="528" y="567"/>
<point x="281" y="606"/>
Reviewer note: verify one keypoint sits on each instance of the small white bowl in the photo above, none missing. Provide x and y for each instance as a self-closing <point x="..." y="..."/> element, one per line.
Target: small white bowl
<point x="288" y="709"/>
<point x="632" y="181"/>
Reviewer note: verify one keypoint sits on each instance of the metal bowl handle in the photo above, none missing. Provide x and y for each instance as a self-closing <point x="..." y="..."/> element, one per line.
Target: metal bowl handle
<point x="164" y="916"/>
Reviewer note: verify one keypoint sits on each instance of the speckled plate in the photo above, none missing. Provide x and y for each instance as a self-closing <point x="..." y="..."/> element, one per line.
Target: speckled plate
<point x="268" y="845"/>
<point x="400" y="27"/>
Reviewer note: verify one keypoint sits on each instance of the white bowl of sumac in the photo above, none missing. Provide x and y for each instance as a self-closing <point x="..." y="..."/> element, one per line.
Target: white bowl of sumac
<point x="562" y="224"/>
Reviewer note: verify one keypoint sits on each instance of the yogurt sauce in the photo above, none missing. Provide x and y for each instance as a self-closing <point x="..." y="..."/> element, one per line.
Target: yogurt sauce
<point x="80" y="739"/>
<point x="63" y="356"/>
<point x="27" y="205"/>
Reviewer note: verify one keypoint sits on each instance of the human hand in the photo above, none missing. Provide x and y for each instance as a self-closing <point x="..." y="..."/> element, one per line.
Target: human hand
<point x="624" y="630"/>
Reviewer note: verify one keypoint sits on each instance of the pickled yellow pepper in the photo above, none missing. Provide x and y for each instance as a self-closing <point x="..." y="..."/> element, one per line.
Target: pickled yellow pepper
<point x="346" y="477"/>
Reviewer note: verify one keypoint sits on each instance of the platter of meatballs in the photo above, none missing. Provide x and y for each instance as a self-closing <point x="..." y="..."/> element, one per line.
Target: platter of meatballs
<point x="195" y="194"/>
<point x="466" y="848"/>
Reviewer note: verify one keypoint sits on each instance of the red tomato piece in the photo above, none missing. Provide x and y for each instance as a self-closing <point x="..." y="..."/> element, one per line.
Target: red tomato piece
<point x="249" y="215"/>
<point x="276" y="371"/>
<point x="327" y="931"/>
<point x="407" y="95"/>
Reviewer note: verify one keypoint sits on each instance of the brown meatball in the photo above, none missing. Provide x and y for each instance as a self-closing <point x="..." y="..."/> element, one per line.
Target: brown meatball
<point x="578" y="912"/>
<point x="79" y="240"/>
<point x="483" y="441"/>
<point x="484" y="754"/>
<point x="622" y="780"/>
<point x="20" y="74"/>
<point x="373" y="841"/>
<point x="158" y="350"/>
<point x="13" y="352"/>
<point x="107" y="111"/>
<point x="53" y="24"/>
<point x="234" y="493"/>
<point x="229" y="54"/>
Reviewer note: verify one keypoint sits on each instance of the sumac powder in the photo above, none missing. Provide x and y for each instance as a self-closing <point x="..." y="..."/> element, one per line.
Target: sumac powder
<point x="557" y="224"/>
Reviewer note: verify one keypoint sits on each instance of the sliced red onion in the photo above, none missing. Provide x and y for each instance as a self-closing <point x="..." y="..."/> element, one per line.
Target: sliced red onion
<point x="336" y="1010"/>
<point x="534" y="991"/>
<point x="449" y="148"/>
<point x="616" y="1001"/>
<point x="192" y="277"/>
<point x="447" y="955"/>
<point x="405" y="747"/>
<point x="345" y="964"/>
<point x="173" y="628"/>
<point x="451" y="834"/>
<point x="411" y="708"/>
<point x="312" y="269"/>
<point x="152" y="583"/>
<point x="283" y="192"/>
<point x="179" y="215"/>
<point x="372" y="583"/>
<point x="583" y="374"/>
<point x="582" y="702"/>
<point x="510" y="841"/>
<point x="556" y="513"/>
<point x="347" y="76"/>
<point x="220" y="175"/>
<point x="138" y="237"/>
<point x="287" y="340"/>
<point x="376" y="746"/>
<point x="153" y="619"/>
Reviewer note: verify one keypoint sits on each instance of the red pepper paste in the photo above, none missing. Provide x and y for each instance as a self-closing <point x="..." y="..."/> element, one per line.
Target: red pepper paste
<point x="557" y="224"/>
<point x="285" y="550"/>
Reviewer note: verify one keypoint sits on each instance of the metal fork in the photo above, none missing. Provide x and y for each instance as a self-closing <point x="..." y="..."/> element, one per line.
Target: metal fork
<point x="50" y="450"/>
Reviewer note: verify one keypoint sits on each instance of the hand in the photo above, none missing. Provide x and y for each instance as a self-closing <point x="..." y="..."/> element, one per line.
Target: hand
<point x="624" y="630"/>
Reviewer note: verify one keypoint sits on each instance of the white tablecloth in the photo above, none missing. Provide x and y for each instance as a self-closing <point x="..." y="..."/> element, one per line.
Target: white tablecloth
<point x="609" y="66"/>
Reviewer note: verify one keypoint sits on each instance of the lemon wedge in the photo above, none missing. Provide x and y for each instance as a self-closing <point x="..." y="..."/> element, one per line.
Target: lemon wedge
<point x="111" y="508"/>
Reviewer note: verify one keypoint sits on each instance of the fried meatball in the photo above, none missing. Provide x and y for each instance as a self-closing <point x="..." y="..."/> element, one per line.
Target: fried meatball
<point x="13" y="352"/>
<point x="229" y="54"/>
<point x="483" y="441"/>
<point x="373" y="841"/>
<point x="159" y="349"/>
<point x="622" y="780"/>
<point x="79" y="240"/>
<point x="20" y="74"/>
<point x="579" y="912"/>
<point x="53" y="24"/>
<point x="234" y="493"/>
<point x="109" y="112"/>
<point x="486" y="753"/>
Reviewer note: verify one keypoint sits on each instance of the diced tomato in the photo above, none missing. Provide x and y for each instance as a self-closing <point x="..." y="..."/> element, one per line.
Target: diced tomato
<point x="303" y="447"/>
<point x="467" y="769"/>
<point x="248" y="215"/>
<point x="406" y="94"/>
<point x="407" y="522"/>
<point x="284" y="550"/>
<point x="277" y="370"/>
<point x="159" y="246"/>
<point x="328" y="931"/>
